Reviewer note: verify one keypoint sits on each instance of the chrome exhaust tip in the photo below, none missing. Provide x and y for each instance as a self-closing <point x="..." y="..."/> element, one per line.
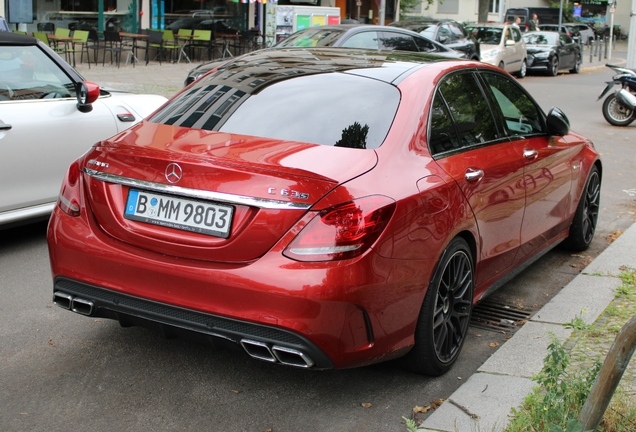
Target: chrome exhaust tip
<point x="63" y="300"/>
<point x="292" y="357"/>
<point x="258" y="350"/>
<point x="81" y="306"/>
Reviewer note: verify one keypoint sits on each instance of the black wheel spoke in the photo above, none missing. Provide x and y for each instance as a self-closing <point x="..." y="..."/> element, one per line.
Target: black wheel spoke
<point x="452" y="311"/>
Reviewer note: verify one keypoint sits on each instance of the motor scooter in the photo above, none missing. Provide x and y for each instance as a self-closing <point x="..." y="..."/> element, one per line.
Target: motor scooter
<point x="619" y="108"/>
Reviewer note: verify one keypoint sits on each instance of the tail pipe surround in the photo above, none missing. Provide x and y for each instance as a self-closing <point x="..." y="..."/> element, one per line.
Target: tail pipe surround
<point x="276" y="354"/>
<point x="75" y="304"/>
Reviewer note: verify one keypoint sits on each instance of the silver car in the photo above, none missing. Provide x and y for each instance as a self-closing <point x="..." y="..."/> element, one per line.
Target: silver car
<point x="501" y="45"/>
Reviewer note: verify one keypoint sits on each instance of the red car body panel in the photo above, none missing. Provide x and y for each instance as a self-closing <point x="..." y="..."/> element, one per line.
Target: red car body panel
<point x="357" y="311"/>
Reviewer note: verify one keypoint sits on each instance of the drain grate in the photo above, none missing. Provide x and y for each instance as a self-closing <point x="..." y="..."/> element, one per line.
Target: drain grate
<point x="491" y="315"/>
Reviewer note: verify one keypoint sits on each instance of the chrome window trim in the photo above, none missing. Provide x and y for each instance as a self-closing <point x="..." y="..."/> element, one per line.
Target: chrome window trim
<point x="199" y="194"/>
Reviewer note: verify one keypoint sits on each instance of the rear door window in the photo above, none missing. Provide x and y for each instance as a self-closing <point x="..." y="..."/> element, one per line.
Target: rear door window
<point x="459" y="96"/>
<point x="397" y="41"/>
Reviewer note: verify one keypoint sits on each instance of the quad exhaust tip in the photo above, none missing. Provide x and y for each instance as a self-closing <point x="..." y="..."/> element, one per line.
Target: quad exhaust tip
<point x="75" y="304"/>
<point x="276" y="354"/>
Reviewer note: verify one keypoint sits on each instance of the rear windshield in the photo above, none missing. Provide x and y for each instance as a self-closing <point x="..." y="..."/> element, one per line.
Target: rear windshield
<point x="486" y="35"/>
<point x="335" y="109"/>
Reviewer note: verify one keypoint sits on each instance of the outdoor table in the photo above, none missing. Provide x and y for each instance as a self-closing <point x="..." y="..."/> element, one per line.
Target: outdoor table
<point x="135" y="37"/>
<point x="183" y="40"/>
<point x="227" y="39"/>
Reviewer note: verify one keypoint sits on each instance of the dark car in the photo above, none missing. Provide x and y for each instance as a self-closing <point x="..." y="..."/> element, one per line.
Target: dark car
<point x="447" y="32"/>
<point x="381" y="38"/>
<point x="551" y="51"/>
<point x="322" y="207"/>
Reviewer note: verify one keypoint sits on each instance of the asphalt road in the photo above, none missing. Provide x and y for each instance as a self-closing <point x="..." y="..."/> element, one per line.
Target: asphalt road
<point x="63" y="372"/>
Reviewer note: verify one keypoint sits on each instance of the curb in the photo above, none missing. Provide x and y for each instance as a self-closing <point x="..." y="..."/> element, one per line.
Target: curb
<point x="485" y="400"/>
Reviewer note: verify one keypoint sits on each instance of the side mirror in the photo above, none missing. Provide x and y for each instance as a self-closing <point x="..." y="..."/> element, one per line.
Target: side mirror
<point x="558" y="123"/>
<point x="87" y="93"/>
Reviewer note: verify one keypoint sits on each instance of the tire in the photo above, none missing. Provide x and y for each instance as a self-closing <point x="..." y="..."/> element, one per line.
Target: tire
<point x="615" y="113"/>
<point x="577" y="65"/>
<point x="443" y="321"/>
<point x="553" y="69"/>
<point x="586" y="216"/>
<point x="524" y="69"/>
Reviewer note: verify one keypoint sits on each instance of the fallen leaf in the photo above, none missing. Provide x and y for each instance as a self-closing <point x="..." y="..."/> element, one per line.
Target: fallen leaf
<point x="436" y="403"/>
<point x="267" y="430"/>
<point x="366" y="405"/>
<point x="616" y="234"/>
<point x="419" y="409"/>
<point x="51" y="342"/>
<point x="494" y="345"/>
<point x="478" y="335"/>
<point x="235" y="391"/>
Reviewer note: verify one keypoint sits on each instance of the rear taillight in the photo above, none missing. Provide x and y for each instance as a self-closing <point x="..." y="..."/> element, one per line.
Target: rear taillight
<point x="342" y="232"/>
<point x="69" y="199"/>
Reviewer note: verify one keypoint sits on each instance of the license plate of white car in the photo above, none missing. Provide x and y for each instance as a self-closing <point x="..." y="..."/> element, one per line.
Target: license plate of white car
<point x="179" y="213"/>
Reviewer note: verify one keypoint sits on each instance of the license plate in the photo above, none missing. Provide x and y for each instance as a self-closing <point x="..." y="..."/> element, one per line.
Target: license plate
<point x="179" y="213"/>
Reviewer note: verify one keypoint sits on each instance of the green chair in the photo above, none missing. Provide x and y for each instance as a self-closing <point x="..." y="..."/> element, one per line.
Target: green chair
<point x="19" y="32"/>
<point x="170" y="44"/>
<point x="41" y="36"/>
<point x="79" y="46"/>
<point x="202" y="42"/>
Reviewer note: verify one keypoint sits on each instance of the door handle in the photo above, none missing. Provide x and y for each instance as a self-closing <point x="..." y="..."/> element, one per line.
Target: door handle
<point x="530" y="154"/>
<point x="5" y="126"/>
<point x="473" y="175"/>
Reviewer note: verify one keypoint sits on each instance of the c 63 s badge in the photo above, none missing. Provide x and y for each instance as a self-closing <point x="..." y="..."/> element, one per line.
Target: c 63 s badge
<point x="288" y="193"/>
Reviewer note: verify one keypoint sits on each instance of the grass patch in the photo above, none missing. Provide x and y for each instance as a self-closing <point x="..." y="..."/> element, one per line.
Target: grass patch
<point x="570" y="369"/>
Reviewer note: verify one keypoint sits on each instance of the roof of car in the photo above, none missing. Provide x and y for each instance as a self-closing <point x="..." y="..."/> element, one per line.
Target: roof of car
<point x="10" y="38"/>
<point x="495" y="25"/>
<point x="386" y="66"/>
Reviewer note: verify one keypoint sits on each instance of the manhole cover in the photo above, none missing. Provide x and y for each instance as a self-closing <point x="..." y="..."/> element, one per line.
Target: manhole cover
<point x="491" y="315"/>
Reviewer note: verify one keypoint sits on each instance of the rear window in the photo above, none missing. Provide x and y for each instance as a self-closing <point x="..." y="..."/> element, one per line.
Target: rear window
<point x="335" y="109"/>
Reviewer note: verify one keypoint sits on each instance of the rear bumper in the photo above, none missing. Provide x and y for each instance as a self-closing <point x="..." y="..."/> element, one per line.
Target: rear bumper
<point x="339" y="314"/>
<point x="264" y="342"/>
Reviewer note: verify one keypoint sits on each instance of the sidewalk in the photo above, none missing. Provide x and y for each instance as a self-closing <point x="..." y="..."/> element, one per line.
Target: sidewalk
<point x="484" y="402"/>
<point x="619" y="57"/>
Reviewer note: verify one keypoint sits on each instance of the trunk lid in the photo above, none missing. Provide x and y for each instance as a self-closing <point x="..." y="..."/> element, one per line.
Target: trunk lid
<point x="264" y="186"/>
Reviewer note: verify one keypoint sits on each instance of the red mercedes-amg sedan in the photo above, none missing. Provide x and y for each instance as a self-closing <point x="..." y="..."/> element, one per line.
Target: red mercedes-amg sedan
<point x="323" y="208"/>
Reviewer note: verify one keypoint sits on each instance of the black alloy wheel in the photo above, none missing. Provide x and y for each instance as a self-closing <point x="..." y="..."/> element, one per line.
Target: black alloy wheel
<point x="577" y="65"/>
<point x="443" y="322"/>
<point x="553" y="69"/>
<point x="584" y="223"/>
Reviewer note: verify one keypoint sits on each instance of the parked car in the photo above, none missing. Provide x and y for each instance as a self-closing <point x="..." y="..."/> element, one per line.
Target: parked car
<point x="323" y="208"/>
<point x="552" y="52"/>
<point x="565" y="29"/>
<point x="587" y="33"/>
<point x="446" y="32"/>
<point x="49" y="115"/>
<point x="382" y="38"/>
<point x="501" y="45"/>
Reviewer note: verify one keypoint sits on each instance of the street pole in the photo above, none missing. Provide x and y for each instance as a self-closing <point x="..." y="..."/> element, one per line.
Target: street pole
<point x="631" y="42"/>
<point x="560" y="14"/>
<point x="612" y="9"/>
<point x="382" y="9"/>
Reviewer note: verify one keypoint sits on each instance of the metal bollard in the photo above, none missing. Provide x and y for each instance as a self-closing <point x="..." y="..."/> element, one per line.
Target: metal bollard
<point x="609" y="376"/>
<point x="606" y="46"/>
<point x="592" y="44"/>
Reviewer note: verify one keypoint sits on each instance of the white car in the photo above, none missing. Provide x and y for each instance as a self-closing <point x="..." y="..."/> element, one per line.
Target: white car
<point x="501" y="45"/>
<point x="49" y="116"/>
<point x="587" y="33"/>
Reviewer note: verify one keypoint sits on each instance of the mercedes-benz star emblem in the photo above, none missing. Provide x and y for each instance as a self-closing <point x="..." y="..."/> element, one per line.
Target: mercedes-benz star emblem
<point x="173" y="173"/>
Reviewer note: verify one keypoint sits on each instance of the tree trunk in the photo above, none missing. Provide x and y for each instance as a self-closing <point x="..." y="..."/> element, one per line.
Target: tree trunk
<point x="482" y="15"/>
